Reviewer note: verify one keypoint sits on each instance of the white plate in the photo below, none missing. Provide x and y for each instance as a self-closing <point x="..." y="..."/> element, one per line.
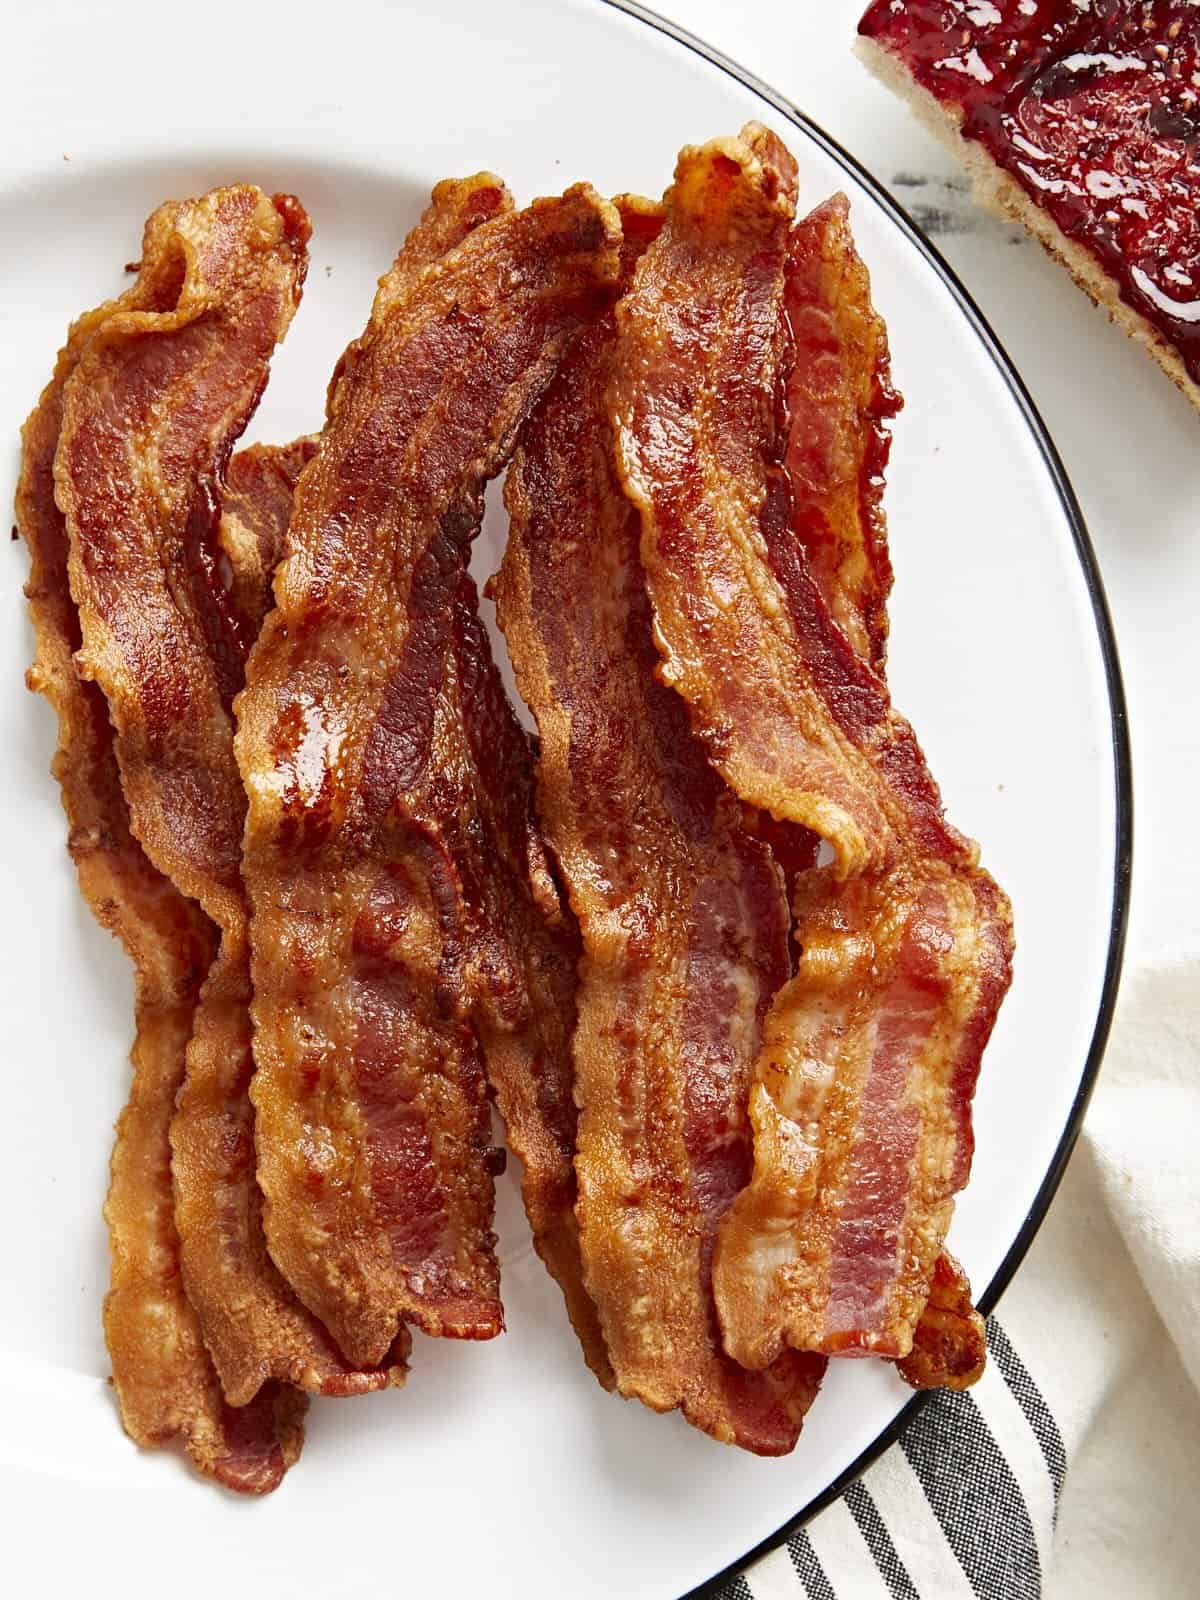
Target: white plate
<point x="503" y="1468"/>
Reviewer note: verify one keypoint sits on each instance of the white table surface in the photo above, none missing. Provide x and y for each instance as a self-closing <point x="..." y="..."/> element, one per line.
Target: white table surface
<point x="1130" y="442"/>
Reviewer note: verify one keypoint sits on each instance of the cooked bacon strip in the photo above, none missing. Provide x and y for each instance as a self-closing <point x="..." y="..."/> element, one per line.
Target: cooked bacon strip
<point x="526" y="959"/>
<point x="372" y="1119"/>
<point x="839" y="398"/>
<point x="861" y="1112"/>
<point x="861" y="1105"/>
<point x="795" y="722"/>
<point x="149" y="416"/>
<point x="682" y="911"/>
<point x="456" y="207"/>
<point x="526" y="944"/>
<point x="166" y="1385"/>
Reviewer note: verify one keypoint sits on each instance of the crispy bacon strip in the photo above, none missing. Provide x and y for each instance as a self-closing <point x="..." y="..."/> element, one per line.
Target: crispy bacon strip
<point x="457" y="206"/>
<point x="861" y="1105"/>
<point x="166" y="1385"/>
<point x="149" y="416"/>
<point x="526" y="959"/>
<point x="839" y="398"/>
<point x="861" y="1113"/>
<point x="682" y="911"/>
<point x="527" y="943"/>
<point x="795" y="722"/>
<point x="372" y="1117"/>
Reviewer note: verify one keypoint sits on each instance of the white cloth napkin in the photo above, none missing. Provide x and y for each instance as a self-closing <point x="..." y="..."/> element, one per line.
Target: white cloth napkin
<point x="1071" y="1470"/>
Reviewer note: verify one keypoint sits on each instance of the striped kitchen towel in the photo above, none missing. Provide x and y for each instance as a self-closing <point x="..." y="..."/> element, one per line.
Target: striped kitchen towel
<point x="974" y="1481"/>
<point x="1071" y="1469"/>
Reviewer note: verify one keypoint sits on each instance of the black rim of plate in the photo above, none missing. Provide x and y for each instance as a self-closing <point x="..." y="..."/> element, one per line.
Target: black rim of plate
<point x="1123" y="851"/>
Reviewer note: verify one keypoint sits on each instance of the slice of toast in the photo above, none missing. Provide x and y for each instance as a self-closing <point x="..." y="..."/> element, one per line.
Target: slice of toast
<point x="1000" y="190"/>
